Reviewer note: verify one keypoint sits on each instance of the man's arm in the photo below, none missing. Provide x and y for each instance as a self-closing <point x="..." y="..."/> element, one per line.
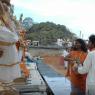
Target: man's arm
<point x="83" y="69"/>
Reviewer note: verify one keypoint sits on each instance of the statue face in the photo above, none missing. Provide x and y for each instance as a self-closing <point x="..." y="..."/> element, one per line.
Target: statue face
<point x="6" y="1"/>
<point x="4" y="9"/>
<point x="1" y="8"/>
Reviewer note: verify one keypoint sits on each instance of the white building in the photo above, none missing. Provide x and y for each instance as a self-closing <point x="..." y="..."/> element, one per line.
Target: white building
<point x="60" y="42"/>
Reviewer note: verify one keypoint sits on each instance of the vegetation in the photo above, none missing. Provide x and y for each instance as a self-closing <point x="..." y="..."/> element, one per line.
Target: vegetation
<point x="48" y="33"/>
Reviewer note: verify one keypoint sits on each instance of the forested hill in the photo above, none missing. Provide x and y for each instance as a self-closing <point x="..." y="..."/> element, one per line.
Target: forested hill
<point x="48" y="32"/>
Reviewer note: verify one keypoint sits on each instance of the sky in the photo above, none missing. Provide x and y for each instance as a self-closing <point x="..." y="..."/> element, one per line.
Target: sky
<point x="76" y="15"/>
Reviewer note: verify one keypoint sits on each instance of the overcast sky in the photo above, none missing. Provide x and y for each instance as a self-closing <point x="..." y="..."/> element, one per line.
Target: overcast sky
<point x="77" y="15"/>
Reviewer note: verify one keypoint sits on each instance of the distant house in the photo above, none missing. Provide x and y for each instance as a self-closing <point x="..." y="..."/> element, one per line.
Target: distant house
<point x="60" y="42"/>
<point x="35" y="43"/>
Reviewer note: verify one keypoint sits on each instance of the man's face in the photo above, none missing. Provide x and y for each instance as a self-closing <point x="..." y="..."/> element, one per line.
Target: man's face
<point x="90" y="45"/>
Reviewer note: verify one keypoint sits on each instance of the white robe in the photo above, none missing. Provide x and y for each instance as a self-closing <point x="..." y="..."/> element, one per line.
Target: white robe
<point x="89" y="68"/>
<point x="10" y="56"/>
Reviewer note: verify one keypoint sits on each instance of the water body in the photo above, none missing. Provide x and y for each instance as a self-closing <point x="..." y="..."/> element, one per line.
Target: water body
<point x="59" y="84"/>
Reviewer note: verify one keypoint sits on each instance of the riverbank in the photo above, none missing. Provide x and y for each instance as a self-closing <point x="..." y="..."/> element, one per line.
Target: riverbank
<point x="43" y="52"/>
<point x="52" y="58"/>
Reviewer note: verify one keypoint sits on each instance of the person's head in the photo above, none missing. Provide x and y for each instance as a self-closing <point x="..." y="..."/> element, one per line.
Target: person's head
<point x="91" y="43"/>
<point x="80" y="45"/>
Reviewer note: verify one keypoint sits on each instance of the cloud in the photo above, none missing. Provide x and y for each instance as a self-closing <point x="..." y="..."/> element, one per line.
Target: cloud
<point x="76" y="14"/>
<point x="54" y="7"/>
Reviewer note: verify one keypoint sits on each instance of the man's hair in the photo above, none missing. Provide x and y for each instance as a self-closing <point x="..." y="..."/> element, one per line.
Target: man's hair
<point x="92" y="39"/>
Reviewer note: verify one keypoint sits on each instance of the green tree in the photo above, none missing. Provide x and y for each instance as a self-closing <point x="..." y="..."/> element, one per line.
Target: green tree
<point x="48" y="32"/>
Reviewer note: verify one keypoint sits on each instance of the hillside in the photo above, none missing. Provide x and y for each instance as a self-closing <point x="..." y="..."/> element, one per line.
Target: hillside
<point x="48" y="32"/>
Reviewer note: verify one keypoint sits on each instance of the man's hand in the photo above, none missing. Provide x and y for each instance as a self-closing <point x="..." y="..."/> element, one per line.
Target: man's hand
<point x="1" y="52"/>
<point x="75" y="68"/>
